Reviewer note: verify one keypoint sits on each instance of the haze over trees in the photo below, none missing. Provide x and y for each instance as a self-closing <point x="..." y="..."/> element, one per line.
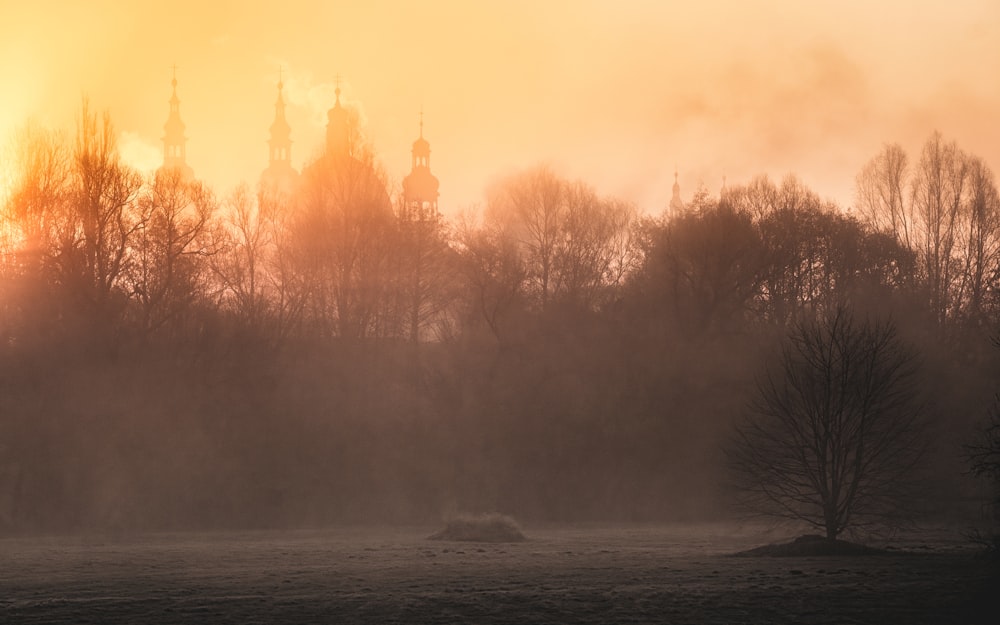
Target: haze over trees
<point x="173" y="358"/>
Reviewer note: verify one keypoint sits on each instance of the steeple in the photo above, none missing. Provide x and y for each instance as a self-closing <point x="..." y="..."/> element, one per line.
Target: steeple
<point x="280" y="175"/>
<point x="420" y="187"/>
<point x="676" y="204"/>
<point x="281" y="133"/>
<point x="174" y="141"/>
<point x="421" y="148"/>
<point x="338" y="129"/>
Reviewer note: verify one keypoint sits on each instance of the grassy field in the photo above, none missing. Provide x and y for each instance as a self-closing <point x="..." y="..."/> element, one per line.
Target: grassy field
<point x="606" y="575"/>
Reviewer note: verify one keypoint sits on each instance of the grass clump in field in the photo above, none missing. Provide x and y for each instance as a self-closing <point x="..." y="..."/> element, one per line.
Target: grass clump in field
<point x="811" y="545"/>
<point x="485" y="528"/>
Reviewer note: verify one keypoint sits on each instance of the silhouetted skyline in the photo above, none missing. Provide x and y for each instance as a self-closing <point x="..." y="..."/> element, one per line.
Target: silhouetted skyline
<point x="614" y="94"/>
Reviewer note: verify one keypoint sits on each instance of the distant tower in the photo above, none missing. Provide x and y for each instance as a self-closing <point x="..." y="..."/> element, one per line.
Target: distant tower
<point x="338" y="129"/>
<point x="174" y="141"/>
<point x="420" y="187"/>
<point x="676" y="204"/>
<point x="279" y="171"/>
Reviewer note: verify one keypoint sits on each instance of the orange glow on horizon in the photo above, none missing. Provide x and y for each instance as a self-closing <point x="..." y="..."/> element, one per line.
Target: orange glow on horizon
<point x="613" y="93"/>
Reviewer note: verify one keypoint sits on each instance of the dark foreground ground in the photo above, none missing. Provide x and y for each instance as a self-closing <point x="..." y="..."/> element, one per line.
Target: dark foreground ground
<point x="670" y="574"/>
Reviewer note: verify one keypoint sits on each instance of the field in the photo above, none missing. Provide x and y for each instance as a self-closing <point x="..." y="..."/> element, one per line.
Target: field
<point x="606" y="575"/>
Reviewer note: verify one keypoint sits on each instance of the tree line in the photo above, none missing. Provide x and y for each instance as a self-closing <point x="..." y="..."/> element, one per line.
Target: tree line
<point x="170" y="358"/>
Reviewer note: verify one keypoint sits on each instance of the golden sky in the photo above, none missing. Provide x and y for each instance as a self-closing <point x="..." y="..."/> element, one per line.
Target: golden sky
<point x="613" y="92"/>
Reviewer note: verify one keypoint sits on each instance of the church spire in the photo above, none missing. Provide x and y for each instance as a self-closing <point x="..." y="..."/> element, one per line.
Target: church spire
<point x="338" y="128"/>
<point x="421" y="148"/>
<point x="420" y="187"/>
<point x="281" y="133"/>
<point x="174" y="141"/>
<point x="280" y="175"/>
<point x="676" y="204"/>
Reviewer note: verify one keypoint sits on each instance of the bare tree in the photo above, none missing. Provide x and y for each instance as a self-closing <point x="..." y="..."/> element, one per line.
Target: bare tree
<point x="574" y="245"/>
<point x="984" y="462"/>
<point x="101" y="219"/>
<point x="425" y="270"/>
<point x="881" y="194"/>
<point x="703" y="268"/>
<point x="946" y="210"/>
<point x="494" y="272"/>
<point x="166" y="260"/>
<point x="595" y="251"/>
<point x="286" y="282"/>
<point x="39" y="188"/>
<point x="39" y="178"/>
<point x="244" y="240"/>
<point x="834" y="434"/>
<point x="531" y="206"/>
<point x="756" y="198"/>
<point x="344" y="235"/>
<point x="979" y="248"/>
<point x="938" y="189"/>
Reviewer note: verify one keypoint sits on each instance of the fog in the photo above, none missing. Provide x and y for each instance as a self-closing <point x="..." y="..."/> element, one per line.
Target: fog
<point x="561" y="302"/>
<point x="326" y="350"/>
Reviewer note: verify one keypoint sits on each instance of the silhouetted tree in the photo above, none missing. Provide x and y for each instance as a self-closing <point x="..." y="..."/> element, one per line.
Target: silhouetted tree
<point x="494" y="273"/>
<point x="817" y="257"/>
<point x="39" y="189"/>
<point x="834" y="435"/>
<point x="596" y="251"/>
<point x="946" y="210"/>
<point x="983" y="456"/>
<point x="344" y="236"/>
<point x="245" y="240"/>
<point x="533" y="205"/>
<point x="287" y="289"/>
<point x="167" y="260"/>
<point x="882" y="195"/>
<point x="101" y="220"/>
<point x="980" y="244"/>
<point x="701" y="270"/>
<point x="761" y="197"/>
<point x="426" y="268"/>
<point x="573" y="244"/>
<point x="938" y="187"/>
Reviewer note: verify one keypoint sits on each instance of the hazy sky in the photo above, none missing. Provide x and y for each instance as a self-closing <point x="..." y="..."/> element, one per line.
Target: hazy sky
<point x="614" y="92"/>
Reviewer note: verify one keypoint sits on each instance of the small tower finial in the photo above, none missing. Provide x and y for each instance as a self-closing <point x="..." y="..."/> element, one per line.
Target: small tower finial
<point x="281" y="78"/>
<point x="421" y="121"/>
<point x="337" y="90"/>
<point x="173" y="82"/>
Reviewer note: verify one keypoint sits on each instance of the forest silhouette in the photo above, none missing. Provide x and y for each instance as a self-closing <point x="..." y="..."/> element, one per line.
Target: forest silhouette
<point x="327" y="352"/>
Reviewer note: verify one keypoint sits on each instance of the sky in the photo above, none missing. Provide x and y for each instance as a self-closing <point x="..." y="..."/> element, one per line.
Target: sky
<point x="616" y="93"/>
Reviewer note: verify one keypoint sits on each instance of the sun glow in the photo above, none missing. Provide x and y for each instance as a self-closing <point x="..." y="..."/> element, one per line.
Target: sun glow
<point x="139" y="153"/>
<point x="613" y="93"/>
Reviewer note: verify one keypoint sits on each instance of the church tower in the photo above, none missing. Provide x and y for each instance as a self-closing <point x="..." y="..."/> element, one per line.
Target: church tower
<point x="420" y="187"/>
<point x="174" y="141"/>
<point x="280" y="172"/>
<point x="338" y="129"/>
<point x="676" y="208"/>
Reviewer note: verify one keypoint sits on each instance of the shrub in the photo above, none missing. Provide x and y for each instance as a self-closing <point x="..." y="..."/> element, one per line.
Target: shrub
<point x="487" y="528"/>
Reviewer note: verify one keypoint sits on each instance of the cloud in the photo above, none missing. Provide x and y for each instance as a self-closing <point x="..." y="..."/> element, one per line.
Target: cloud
<point x="317" y="98"/>
<point x="138" y="152"/>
